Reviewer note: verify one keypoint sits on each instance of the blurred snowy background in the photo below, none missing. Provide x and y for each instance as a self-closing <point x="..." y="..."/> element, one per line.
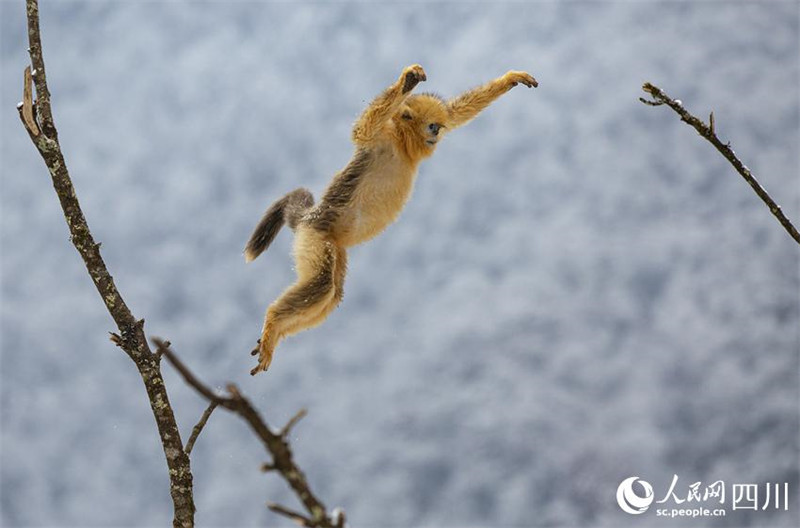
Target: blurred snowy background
<point x="580" y="290"/>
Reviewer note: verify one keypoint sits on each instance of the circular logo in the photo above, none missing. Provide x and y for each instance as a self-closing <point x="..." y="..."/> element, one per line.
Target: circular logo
<point x="632" y="502"/>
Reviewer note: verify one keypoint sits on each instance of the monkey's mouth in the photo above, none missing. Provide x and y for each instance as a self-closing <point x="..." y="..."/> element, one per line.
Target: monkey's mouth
<point x="431" y="142"/>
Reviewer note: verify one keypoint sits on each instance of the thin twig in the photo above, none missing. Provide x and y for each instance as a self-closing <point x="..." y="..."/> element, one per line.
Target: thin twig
<point x="162" y="348"/>
<point x="37" y="118"/>
<point x="197" y="429"/>
<point x="337" y="516"/>
<point x="651" y="103"/>
<point x="39" y="77"/>
<point x="709" y="132"/>
<point x="26" y="108"/>
<point x="275" y="444"/>
<point x="300" y="519"/>
<point x="292" y="422"/>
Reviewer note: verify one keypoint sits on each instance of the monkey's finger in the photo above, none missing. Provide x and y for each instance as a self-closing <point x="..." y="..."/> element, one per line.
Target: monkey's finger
<point x="254" y="371"/>
<point x="254" y="352"/>
<point x="418" y="71"/>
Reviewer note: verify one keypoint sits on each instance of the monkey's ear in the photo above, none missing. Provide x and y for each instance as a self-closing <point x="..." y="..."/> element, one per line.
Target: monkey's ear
<point x="407" y="116"/>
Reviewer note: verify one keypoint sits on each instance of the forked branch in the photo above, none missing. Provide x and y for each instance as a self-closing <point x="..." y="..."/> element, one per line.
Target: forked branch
<point x="709" y="132"/>
<point x="37" y="118"/>
<point x="276" y="444"/>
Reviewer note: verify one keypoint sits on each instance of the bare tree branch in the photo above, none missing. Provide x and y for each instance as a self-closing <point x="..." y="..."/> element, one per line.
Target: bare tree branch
<point x="337" y="516"/>
<point x="38" y="73"/>
<point x="26" y="106"/>
<point x="298" y="518"/>
<point x="708" y="132"/>
<point x="275" y="443"/>
<point x="197" y="429"/>
<point x="37" y="119"/>
<point x="287" y="429"/>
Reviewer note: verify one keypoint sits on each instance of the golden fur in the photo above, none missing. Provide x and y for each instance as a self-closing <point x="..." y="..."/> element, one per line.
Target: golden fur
<point x="393" y="135"/>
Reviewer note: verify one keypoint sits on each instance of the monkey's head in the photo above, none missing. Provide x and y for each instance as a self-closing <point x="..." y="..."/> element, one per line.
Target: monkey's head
<point x="420" y="124"/>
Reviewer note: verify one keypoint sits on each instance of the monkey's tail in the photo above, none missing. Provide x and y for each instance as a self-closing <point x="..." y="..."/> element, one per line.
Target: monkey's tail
<point x="288" y="209"/>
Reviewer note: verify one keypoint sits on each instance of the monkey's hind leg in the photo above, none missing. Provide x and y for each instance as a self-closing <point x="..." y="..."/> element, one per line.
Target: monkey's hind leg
<point x="303" y="303"/>
<point x="340" y="270"/>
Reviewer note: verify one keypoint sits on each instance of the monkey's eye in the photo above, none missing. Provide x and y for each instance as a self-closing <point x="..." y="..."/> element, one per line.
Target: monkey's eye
<point x="407" y="116"/>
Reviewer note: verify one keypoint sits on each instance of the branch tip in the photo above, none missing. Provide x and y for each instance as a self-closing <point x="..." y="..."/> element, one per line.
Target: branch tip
<point x="298" y="518"/>
<point x="709" y="132"/>
<point x="28" y="118"/>
<point x="292" y="422"/>
<point x="234" y="391"/>
<point x="197" y="429"/>
<point x="649" y="88"/>
<point x="651" y="103"/>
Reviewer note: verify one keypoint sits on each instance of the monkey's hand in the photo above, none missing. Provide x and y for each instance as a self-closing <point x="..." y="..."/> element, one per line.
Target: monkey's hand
<point x="412" y="76"/>
<point x="381" y="110"/>
<point x="516" y="77"/>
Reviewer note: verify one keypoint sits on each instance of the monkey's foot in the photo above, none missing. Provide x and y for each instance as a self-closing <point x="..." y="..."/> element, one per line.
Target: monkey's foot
<point x="264" y="357"/>
<point x="412" y="76"/>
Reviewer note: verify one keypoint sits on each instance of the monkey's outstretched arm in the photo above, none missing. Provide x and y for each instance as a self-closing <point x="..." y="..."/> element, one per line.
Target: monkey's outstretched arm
<point x="469" y="104"/>
<point x="386" y="105"/>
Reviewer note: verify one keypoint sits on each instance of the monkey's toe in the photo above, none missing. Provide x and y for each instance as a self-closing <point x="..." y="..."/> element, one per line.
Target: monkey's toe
<point x="263" y="366"/>
<point x="264" y="358"/>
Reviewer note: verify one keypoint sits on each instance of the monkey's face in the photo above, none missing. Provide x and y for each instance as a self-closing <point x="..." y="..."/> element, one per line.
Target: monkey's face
<point x="421" y="123"/>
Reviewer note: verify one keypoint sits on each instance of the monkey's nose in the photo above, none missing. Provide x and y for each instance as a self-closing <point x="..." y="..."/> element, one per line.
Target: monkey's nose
<point x="434" y="128"/>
